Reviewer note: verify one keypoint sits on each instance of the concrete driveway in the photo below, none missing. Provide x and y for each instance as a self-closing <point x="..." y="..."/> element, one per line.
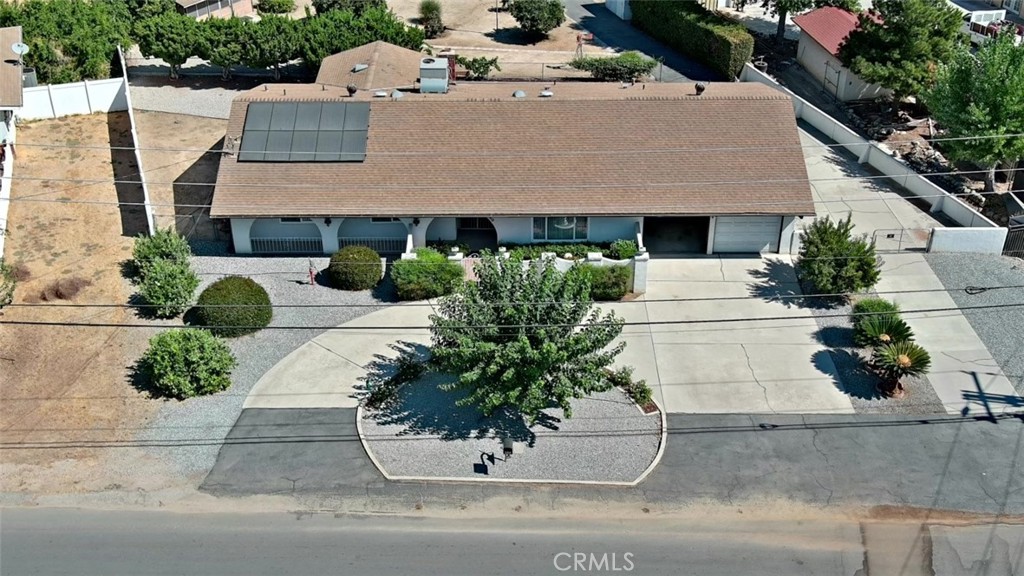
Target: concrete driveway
<point x="740" y="365"/>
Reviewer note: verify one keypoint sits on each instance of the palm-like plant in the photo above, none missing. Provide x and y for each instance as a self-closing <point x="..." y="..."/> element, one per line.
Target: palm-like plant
<point x="896" y="360"/>
<point x="881" y="330"/>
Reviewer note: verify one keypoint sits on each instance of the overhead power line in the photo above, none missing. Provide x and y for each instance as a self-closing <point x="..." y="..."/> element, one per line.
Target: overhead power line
<point x="516" y="326"/>
<point x="971" y="290"/>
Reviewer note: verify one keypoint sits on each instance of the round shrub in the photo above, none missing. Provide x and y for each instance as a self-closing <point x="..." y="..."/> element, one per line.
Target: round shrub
<point x="186" y="363"/>
<point x="355" y="268"/>
<point x="167" y="286"/>
<point x="234" y="306"/>
<point x="430" y="275"/>
<point x="163" y="245"/>
<point x="873" y="308"/>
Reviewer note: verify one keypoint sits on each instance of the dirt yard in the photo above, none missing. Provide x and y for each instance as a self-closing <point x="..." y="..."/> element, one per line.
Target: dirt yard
<point x="472" y="32"/>
<point x="178" y="176"/>
<point x="65" y="391"/>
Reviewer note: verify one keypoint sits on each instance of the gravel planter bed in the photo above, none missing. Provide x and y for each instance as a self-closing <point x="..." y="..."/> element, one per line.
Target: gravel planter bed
<point x="857" y="381"/>
<point x="424" y="434"/>
<point x="1000" y="329"/>
<point x="189" y="433"/>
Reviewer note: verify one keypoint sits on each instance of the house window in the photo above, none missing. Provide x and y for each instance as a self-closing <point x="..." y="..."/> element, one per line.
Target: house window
<point x="474" y="224"/>
<point x="295" y="220"/>
<point x="384" y="220"/>
<point x="560" y="228"/>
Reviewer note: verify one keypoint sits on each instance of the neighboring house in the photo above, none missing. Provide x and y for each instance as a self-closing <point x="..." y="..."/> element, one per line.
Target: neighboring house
<point x="311" y="168"/>
<point x="1012" y="7"/>
<point x="986" y="20"/>
<point x="822" y="31"/>
<point x="200" y="9"/>
<point x="10" y="79"/>
<point x="377" y="65"/>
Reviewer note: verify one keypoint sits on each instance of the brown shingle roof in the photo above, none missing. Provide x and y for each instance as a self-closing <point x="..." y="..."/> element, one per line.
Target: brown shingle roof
<point x="388" y="66"/>
<point x="10" y="71"/>
<point x="591" y="149"/>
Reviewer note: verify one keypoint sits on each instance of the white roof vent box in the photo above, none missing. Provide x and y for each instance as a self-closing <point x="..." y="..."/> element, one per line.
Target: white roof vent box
<point x="359" y="67"/>
<point x="546" y="92"/>
<point x="519" y="94"/>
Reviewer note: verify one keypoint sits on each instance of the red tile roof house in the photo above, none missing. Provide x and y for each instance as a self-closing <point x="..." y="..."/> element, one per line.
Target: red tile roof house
<point x="821" y="33"/>
<point x="311" y="168"/>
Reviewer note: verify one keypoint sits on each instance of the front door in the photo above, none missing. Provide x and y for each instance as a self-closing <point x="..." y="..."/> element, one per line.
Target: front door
<point x="476" y="232"/>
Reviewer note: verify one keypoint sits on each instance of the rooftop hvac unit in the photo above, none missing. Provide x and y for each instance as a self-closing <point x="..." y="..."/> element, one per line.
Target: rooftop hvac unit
<point x="434" y="75"/>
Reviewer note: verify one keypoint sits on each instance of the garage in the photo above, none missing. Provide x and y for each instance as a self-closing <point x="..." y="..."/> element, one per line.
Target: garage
<point x="747" y="234"/>
<point x="676" y="235"/>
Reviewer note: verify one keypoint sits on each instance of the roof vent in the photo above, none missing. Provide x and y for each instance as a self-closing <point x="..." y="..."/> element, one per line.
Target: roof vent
<point x="519" y="94"/>
<point x="380" y="94"/>
<point x="352" y="89"/>
<point x="360" y="67"/>
<point x="396" y="94"/>
<point x="546" y="93"/>
<point x="700" y="87"/>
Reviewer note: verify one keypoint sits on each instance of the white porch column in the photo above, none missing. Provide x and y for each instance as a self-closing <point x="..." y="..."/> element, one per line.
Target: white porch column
<point x="711" y="235"/>
<point x="640" y="262"/>
<point x="240" y="228"/>
<point x="329" y="233"/>
<point x="418" y="230"/>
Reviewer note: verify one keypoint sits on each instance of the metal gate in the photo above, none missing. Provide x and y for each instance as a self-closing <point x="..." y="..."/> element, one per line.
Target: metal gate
<point x="1014" y="245"/>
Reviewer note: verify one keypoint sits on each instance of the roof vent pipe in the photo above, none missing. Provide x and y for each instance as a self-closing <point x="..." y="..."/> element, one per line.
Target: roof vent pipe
<point x="700" y="87"/>
<point x="352" y="89"/>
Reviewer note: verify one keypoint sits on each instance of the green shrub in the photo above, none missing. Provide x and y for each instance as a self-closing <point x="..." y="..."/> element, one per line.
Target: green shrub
<point x="607" y="283"/>
<point x="881" y="330"/>
<point x="275" y="6"/>
<point x="637" y="390"/>
<point x="8" y="281"/>
<point x="873" y="307"/>
<point x="533" y="251"/>
<point x="894" y="361"/>
<point x="354" y="268"/>
<point x="163" y="245"/>
<point x="186" y="363"/>
<point x="357" y="7"/>
<point x="234" y="306"/>
<point x="834" y="261"/>
<point x="430" y="18"/>
<point x="478" y="68"/>
<point x="694" y="31"/>
<point x="167" y="287"/>
<point x="625" y="67"/>
<point x="622" y="250"/>
<point x="445" y="246"/>
<point x="430" y="275"/>
<point x="538" y="17"/>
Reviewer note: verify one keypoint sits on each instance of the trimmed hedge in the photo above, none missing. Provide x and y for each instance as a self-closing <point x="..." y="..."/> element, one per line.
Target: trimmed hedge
<point x="354" y="268"/>
<point x="430" y="275"/>
<point x="694" y="31"/>
<point x="234" y="306"/>
<point x="608" y="283"/>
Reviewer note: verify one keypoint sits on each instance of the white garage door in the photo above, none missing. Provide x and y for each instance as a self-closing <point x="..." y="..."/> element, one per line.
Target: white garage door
<point x="747" y="234"/>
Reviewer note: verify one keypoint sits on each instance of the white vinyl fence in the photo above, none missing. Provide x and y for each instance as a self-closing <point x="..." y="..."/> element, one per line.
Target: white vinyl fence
<point x="986" y="232"/>
<point x="58" y="100"/>
<point x="5" y="182"/>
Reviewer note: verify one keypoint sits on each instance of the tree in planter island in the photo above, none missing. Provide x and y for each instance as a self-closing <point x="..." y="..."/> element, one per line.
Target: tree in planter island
<point x="979" y="99"/>
<point x="898" y="360"/>
<point x="901" y="43"/>
<point x="171" y="37"/>
<point x="538" y="17"/>
<point x="544" y="346"/>
<point x="834" y="261"/>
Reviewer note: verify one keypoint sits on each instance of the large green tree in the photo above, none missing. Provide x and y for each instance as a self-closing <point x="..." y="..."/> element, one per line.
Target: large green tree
<point x="171" y="37"/>
<point x="222" y="41"/>
<point x="272" y="41"/>
<point x="538" y="17"/>
<point x="340" y="30"/>
<point x="783" y="8"/>
<point x="900" y="44"/>
<point x="525" y="339"/>
<point x="357" y="7"/>
<point x="979" y="100"/>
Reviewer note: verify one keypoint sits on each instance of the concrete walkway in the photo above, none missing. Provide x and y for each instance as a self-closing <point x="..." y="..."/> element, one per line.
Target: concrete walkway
<point x="962" y="368"/>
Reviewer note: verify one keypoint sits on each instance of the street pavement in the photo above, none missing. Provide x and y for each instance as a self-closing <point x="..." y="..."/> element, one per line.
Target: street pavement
<point x="81" y="542"/>
<point x="942" y="463"/>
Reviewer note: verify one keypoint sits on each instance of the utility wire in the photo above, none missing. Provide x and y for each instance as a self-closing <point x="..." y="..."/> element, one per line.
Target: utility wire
<point x="603" y="151"/>
<point x="971" y="290"/>
<point x="510" y="326"/>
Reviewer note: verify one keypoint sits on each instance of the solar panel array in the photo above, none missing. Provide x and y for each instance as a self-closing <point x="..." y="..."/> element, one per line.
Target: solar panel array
<point x="305" y="132"/>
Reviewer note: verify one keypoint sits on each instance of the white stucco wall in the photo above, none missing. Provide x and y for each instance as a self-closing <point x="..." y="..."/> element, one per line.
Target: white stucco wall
<point x="813" y="57"/>
<point x="976" y="240"/>
<point x="365" y="228"/>
<point x="787" y="243"/>
<point x="607" y="229"/>
<point x="441" y="229"/>
<point x="516" y="230"/>
<point x="274" y="228"/>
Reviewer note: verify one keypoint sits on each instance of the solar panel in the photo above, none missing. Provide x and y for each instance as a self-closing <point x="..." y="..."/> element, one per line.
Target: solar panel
<point x="305" y="132"/>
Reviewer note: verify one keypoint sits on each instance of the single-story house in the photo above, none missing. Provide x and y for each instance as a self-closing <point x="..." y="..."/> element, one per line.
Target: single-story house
<point x="821" y="33"/>
<point x="200" y="9"/>
<point x="11" y="81"/>
<point x="681" y="168"/>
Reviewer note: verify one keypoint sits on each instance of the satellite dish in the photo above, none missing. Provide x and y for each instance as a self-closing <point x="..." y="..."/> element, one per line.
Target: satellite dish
<point x="19" y="48"/>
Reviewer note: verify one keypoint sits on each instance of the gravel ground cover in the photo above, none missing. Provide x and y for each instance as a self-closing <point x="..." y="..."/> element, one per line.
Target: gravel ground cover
<point x="207" y="97"/>
<point x="424" y="434"/>
<point x="189" y="434"/>
<point x="835" y="330"/>
<point x="1000" y="329"/>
